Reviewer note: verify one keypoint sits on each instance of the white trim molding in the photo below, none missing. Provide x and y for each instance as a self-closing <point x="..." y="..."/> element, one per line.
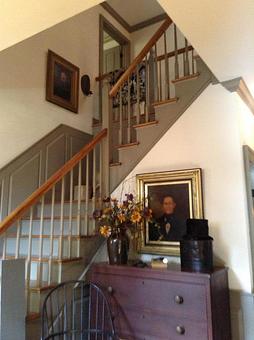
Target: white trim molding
<point x="239" y="86"/>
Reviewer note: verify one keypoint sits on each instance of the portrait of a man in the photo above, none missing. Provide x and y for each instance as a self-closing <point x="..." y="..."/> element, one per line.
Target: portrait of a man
<point x="62" y="82"/>
<point x="171" y="208"/>
<point x="173" y="197"/>
<point x="62" y="85"/>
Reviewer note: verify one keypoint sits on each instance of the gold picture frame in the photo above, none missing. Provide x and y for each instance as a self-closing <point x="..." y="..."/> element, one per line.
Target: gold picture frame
<point x="186" y="186"/>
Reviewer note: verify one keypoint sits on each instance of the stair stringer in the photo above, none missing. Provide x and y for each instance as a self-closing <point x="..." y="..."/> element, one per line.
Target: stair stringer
<point x="187" y="91"/>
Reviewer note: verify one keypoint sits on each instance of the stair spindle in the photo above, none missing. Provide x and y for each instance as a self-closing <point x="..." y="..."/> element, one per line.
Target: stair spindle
<point x="18" y="239"/>
<point x="40" y="264"/>
<point x="147" y="90"/>
<point x="157" y="90"/>
<point x="186" y="59"/>
<point x="52" y="232"/>
<point x="70" y="215"/>
<point x="60" y="249"/>
<point x="138" y="95"/>
<point x="129" y="112"/>
<point x="87" y="196"/>
<point x="79" y="206"/>
<point x="176" y="54"/>
<point x="160" y="81"/>
<point x="29" y="251"/>
<point x="167" y="84"/>
<point x="4" y="246"/>
<point x="192" y="62"/>
<point x="120" y="117"/>
<point x="94" y="188"/>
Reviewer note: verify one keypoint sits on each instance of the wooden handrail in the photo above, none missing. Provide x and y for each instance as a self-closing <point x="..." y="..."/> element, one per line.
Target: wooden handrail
<point x="45" y="187"/>
<point x="140" y="56"/>
<point x="172" y="53"/>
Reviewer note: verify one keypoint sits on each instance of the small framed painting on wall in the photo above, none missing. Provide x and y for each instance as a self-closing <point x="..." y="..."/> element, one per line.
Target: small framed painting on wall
<point x="62" y="85"/>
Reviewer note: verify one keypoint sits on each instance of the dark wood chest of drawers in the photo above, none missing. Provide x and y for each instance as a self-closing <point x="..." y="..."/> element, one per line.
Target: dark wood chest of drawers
<point x="152" y="304"/>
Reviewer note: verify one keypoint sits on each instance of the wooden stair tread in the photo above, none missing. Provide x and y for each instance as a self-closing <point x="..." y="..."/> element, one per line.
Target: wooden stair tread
<point x="185" y="78"/>
<point x="115" y="164"/>
<point x="166" y="101"/>
<point x="45" y="259"/>
<point x="141" y="125"/>
<point x="33" y="316"/>
<point x="123" y="146"/>
<point x="33" y="286"/>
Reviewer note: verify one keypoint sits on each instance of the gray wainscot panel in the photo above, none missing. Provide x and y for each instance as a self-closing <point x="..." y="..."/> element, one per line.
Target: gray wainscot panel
<point x="27" y="172"/>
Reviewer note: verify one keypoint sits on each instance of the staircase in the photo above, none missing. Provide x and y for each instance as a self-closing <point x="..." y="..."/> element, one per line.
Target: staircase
<point x="54" y="229"/>
<point x="149" y="97"/>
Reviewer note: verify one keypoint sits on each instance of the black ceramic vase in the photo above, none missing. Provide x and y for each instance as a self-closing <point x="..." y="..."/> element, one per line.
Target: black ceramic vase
<point x="118" y="248"/>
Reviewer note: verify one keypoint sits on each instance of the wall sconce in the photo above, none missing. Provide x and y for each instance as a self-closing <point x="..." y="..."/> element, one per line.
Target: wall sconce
<point x="85" y="85"/>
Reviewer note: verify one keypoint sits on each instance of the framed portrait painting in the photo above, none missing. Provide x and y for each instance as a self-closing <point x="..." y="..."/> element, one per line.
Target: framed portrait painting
<point x="173" y="197"/>
<point x="62" y="86"/>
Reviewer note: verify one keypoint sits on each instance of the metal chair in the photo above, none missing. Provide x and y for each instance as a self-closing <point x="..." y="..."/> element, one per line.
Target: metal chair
<point x="76" y="310"/>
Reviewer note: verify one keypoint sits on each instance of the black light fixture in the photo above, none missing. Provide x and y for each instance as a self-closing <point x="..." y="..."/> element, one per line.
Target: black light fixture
<point x="85" y="85"/>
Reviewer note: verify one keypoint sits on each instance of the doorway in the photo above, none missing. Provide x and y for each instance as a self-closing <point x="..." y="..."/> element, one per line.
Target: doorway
<point x="249" y="176"/>
<point x="114" y="48"/>
<point x="114" y="52"/>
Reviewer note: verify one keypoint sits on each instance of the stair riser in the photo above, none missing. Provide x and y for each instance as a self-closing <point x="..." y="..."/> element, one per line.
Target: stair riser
<point x="66" y="209"/>
<point x="46" y="247"/>
<point x="67" y="226"/>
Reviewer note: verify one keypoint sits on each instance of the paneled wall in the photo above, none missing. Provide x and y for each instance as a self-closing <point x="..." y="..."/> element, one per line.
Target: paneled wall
<point x="28" y="171"/>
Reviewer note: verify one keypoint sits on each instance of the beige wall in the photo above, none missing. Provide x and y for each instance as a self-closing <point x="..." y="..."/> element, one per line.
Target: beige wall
<point x="208" y="136"/>
<point x="25" y="115"/>
<point x="22" y="19"/>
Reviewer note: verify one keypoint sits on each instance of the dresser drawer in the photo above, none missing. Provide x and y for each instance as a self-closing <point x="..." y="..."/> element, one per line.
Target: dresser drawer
<point x="163" y="297"/>
<point x="131" y="324"/>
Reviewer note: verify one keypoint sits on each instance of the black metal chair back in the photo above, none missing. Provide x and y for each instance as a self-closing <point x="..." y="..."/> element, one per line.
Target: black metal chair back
<point x="76" y="310"/>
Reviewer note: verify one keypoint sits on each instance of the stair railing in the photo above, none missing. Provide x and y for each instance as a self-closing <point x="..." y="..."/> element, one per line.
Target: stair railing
<point x="75" y="191"/>
<point x="148" y="82"/>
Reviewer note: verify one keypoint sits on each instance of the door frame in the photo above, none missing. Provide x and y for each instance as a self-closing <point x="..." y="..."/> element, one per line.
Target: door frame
<point x="248" y="156"/>
<point x="105" y="25"/>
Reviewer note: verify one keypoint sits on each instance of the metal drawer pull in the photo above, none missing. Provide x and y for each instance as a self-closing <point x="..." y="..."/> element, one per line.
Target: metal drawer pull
<point x="178" y="299"/>
<point x="110" y="290"/>
<point x="180" y="330"/>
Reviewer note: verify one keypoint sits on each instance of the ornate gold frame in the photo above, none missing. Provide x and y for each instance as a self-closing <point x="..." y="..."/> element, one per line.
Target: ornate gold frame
<point x="194" y="178"/>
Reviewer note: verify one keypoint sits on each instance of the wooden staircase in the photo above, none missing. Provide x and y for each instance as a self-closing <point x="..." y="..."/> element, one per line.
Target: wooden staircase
<point x="54" y="231"/>
<point x="149" y="97"/>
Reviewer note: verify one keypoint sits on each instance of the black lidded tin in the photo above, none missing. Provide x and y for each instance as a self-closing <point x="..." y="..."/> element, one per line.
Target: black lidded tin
<point x="196" y="247"/>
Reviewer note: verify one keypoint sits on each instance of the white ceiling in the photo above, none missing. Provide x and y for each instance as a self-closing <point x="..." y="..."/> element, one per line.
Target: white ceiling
<point x="136" y="11"/>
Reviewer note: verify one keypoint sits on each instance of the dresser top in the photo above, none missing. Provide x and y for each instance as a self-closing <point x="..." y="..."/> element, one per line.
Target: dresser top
<point x="173" y="271"/>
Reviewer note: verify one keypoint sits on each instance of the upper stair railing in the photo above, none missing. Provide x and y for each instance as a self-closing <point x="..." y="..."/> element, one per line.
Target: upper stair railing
<point x="148" y="82"/>
<point x="48" y="226"/>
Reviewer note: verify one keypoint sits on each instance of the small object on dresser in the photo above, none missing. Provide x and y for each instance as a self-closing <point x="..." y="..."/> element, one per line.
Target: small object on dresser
<point x="160" y="262"/>
<point x="196" y="247"/>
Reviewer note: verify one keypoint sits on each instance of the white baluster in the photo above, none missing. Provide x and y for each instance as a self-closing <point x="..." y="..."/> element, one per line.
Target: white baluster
<point x="4" y="246"/>
<point x="60" y="244"/>
<point x="79" y="207"/>
<point x="87" y="196"/>
<point x="52" y="232"/>
<point x="120" y="118"/>
<point x="70" y="215"/>
<point x="29" y="255"/>
<point x="129" y="113"/>
<point x="17" y="240"/>
<point x="94" y="188"/>
<point x="40" y="264"/>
